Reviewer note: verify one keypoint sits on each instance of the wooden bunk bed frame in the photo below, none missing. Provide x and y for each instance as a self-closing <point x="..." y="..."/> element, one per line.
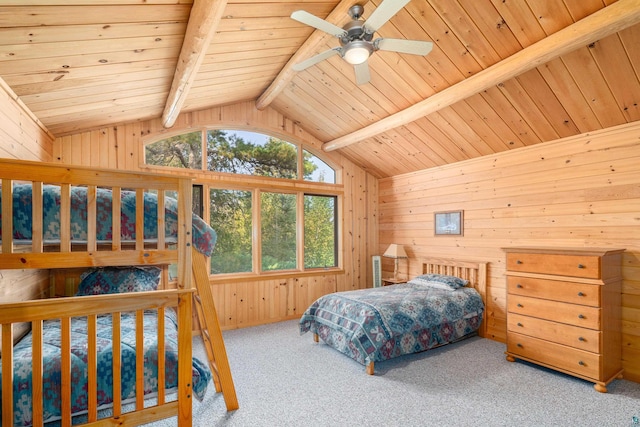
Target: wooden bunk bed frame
<point x="192" y="281"/>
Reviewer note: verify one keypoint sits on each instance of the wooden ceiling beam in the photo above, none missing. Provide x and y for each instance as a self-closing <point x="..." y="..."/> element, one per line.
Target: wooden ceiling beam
<point x="337" y="16"/>
<point x="611" y="19"/>
<point x="204" y="19"/>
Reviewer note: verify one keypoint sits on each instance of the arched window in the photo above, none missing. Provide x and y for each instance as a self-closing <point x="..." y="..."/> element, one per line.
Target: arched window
<point x="262" y="226"/>
<point x="239" y="152"/>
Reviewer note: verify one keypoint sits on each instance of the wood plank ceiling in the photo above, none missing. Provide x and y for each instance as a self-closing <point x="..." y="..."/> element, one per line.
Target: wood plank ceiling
<point x="81" y="64"/>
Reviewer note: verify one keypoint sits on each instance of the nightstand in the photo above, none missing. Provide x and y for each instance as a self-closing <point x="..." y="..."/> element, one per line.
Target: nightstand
<point x="392" y="281"/>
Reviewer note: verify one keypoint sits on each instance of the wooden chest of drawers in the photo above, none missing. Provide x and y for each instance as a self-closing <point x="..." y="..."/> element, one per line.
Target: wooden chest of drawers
<point x="563" y="310"/>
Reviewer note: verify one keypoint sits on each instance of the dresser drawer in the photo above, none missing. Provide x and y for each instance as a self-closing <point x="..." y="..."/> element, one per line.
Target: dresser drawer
<point x="572" y="314"/>
<point x="587" y="266"/>
<point x="573" y="336"/>
<point x="555" y="355"/>
<point x="576" y="293"/>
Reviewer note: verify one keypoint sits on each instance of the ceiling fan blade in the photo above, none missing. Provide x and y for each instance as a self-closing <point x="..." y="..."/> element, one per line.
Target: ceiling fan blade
<point x="315" y="59"/>
<point x="382" y="14"/>
<point x="414" y="47"/>
<point x="362" y="73"/>
<point x="320" y="24"/>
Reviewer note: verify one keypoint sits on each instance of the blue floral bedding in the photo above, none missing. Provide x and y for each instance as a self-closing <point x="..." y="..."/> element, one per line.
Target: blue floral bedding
<point x="371" y="325"/>
<point x="79" y="339"/>
<point x="204" y="237"/>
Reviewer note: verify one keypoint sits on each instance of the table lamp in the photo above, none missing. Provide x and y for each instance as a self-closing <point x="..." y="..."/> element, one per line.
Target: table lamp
<point x="396" y="252"/>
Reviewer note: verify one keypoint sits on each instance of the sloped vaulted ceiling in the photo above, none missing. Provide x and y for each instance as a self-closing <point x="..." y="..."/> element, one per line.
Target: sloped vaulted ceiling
<point x="503" y="73"/>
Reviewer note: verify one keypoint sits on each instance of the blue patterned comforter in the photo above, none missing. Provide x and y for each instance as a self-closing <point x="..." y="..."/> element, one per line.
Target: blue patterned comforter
<point x="371" y="325"/>
<point x="79" y="339"/>
<point x="204" y="237"/>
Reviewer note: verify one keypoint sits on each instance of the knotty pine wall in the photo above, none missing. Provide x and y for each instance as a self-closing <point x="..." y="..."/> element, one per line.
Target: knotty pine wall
<point x="247" y="302"/>
<point x="576" y="192"/>
<point x="22" y="136"/>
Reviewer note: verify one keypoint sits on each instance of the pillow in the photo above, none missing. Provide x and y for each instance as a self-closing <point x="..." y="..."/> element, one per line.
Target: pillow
<point x="440" y="281"/>
<point x="114" y="280"/>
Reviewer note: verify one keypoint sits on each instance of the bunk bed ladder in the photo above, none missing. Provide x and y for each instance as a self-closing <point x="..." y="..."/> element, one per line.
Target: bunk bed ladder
<point x="211" y="332"/>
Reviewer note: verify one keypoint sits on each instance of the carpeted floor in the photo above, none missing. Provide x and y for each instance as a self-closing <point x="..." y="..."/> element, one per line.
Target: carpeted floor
<point x="284" y="379"/>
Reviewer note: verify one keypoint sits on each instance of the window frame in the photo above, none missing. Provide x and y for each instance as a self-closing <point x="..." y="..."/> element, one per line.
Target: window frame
<point x="203" y="142"/>
<point x="257" y="184"/>
<point x="336" y="234"/>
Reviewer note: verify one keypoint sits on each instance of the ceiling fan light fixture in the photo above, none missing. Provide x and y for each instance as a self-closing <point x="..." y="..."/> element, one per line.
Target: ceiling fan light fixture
<point x="357" y="52"/>
<point x="356" y="37"/>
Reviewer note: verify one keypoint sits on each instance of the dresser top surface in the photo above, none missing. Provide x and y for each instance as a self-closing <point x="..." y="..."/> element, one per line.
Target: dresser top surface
<point x="564" y="250"/>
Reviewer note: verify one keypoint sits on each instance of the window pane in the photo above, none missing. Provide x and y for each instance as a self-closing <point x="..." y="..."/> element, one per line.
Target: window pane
<point x="319" y="231"/>
<point x="180" y="151"/>
<point x="316" y="170"/>
<point x="230" y="217"/>
<point x="278" y="216"/>
<point x="251" y="153"/>
<point x="196" y="199"/>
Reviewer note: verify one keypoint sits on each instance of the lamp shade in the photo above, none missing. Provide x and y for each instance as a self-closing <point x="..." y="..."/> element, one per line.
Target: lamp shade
<point x="395" y="251"/>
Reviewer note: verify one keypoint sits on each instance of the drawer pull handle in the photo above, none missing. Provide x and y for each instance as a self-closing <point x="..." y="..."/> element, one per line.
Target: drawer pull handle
<point x="581" y="316"/>
<point x="520" y="305"/>
<point x="519" y="324"/>
<point x="519" y="286"/>
<point x="580" y="294"/>
<point x="518" y="262"/>
<point x="519" y="345"/>
<point x="581" y="363"/>
<point x="581" y="339"/>
<point x="581" y="266"/>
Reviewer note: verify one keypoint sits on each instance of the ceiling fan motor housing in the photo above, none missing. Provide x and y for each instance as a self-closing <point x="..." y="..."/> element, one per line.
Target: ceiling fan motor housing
<point x="355" y="31"/>
<point x="356" y="11"/>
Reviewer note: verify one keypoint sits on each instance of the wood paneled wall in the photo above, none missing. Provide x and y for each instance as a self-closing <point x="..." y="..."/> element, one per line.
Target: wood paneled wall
<point x="575" y="192"/>
<point x="22" y="136"/>
<point x="263" y="299"/>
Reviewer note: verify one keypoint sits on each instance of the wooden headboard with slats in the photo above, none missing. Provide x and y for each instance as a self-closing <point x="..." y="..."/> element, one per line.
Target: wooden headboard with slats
<point x="473" y="271"/>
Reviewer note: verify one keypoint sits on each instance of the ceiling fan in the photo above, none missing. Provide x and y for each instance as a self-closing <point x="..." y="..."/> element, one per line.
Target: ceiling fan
<point x="356" y="38"/>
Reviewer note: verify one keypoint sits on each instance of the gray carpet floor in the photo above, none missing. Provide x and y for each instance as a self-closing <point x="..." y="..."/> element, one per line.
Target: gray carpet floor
<point x="285" y="379"/>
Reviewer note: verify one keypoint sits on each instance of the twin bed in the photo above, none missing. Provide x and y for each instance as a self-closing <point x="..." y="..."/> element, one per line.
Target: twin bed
<point x="442" y="305"/>
<point x="50" y="387"/>
<point x="117" y="351"/>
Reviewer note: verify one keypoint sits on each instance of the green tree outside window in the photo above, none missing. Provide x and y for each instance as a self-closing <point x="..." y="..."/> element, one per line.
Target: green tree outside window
<point x="231" y="211"/>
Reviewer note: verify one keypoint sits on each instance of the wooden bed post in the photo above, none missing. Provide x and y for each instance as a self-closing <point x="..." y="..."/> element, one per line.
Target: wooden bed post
<point x="370" y="368"/>
<point x="185" y="234"/>
<point x="185" y="380"/>
<point x="482" y="290"/>
<point x="7" y="369"/>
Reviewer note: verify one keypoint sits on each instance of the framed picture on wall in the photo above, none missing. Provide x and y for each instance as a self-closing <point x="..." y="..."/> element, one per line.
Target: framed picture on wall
<point x="449" y="223"/>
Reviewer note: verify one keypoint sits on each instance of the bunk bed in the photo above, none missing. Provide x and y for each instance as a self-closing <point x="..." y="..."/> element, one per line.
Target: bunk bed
<point x="442" y="305"/>
<point x="125" y="230"/>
